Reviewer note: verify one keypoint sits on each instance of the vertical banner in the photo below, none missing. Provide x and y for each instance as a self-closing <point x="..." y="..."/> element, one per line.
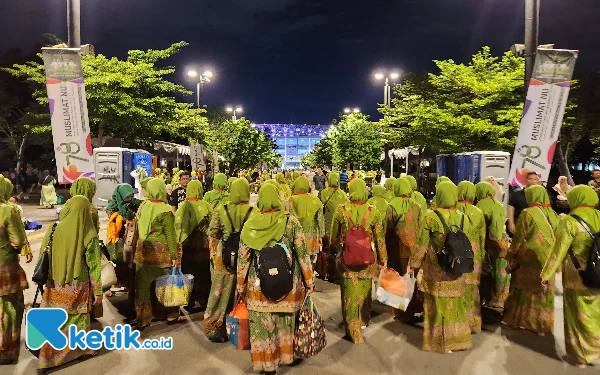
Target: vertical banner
<point x="68" y="114"/>
<point x="197" y="156"/>
<point x="543" y="114"/>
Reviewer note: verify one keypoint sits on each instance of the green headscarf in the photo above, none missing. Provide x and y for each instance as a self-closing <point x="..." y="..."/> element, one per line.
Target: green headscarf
<point x="237" y="207"/>
<point x="540" y="210"/>
<point x="583" y="200"/>
<point x="356" y="207"/>
<point x="333" y="179"/>
<point x="144" y="182"/>
<point x="230" y="181"/>
<point x="466" y="193"/>
<point x="303" y="205"/>
<point x="72" y="236"/>
<point x="270" y="224"/>
<point x="378" y="200"/>
<point x="282" y="186"/>
<point x="493" y="211"/>
<point x="442" y="179"/>
<point x="218" y="194"/>
<point x="117" y="203"/>
<point x="446" y="198"/>
<point x="389" y="185"/>
<point x="155" y="205"/>
<point x="401" y="202"/>
<point x="191" y="212"/>
<point x="416" y="195"/>
<point x="83" y="186"/>
<point x="5" y="189"/>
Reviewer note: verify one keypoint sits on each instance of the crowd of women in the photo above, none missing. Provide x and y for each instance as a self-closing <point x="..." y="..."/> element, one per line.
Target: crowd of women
<point x="405" y="235"/>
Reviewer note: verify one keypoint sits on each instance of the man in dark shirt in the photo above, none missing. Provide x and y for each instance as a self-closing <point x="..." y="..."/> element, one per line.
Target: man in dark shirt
<point x="178" y="195"/>
<point x="319" y="181"/>
<point x="517" y="202"/>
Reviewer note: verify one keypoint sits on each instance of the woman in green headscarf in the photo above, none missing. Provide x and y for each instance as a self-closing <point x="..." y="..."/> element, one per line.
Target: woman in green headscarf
<point x="308" y="209"/>
<point x="74" y="280"/>
<point x="332" y="197"/>
<point x="5" y="196"/>
<point x="14" y="280"/>
<point x="528" y="305"/>
<point x="403" y="223"/>
<point x="155" y="254"/>
<point x="144" y="184"/>
<point x="87" y="187"/>
<point x="445" y="326"/>
<point x="581" y="305"/>
<point x="378" y="200"/>
<point x="416" y="195"/>
<point x="272" y="324"/>
<point x="389" y="186"/>
<point x="226" y="219"/>
<point x="466" y="197"/>
<point x="281" y="184"/>
<point x="48" y="193"/>
<point x="356" y="281"/>
<point x="229" y="182"/>
<point x="191" y="226"/>
<point x="495" y="286"/>
<point x="218" y="195"/>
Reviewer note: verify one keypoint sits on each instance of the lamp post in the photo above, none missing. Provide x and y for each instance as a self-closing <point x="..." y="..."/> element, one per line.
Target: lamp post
<point x="349" y="110"/>
<point x="387" y="91"/>
<point x="73" y="23"/>
<point x="532" y="31"/>
<point x="202" y="79"/>
<point x="234" y="111"/>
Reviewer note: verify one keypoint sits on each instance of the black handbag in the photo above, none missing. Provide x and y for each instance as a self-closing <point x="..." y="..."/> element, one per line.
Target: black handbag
<point x="35" y="305"/>
<point x="42" y="268"/>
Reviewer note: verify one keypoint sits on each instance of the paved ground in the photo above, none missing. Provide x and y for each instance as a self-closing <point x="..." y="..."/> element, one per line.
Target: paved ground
<point x="390" y="348"/>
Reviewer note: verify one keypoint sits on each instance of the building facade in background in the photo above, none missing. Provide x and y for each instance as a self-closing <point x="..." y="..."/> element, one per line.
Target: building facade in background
<point x="294" y="140"/>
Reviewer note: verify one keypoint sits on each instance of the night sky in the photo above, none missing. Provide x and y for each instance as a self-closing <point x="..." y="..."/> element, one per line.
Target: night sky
<point x="303" y="61"/>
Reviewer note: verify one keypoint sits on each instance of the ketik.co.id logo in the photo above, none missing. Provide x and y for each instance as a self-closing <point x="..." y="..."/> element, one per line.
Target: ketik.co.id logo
<point x="45" y="326"/>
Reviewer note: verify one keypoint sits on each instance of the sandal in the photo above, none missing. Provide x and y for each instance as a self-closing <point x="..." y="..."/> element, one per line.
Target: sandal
<point x="180" y="319"/>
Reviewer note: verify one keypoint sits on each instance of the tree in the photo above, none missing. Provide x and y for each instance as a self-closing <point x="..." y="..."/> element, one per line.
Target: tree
<point x="241" y="145"/>
<point x="463" y="107"/>
<point x="131" y="99"/>
<point x="356" y="141"/>
<point x="320" y="155"/>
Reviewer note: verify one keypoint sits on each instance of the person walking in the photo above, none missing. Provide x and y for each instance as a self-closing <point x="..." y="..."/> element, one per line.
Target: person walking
<point x="559" y="200"/>
<point x="416" y="195"/>
<point x="156" y="252"/>
<point x="477" y="235"/>
<point x="378" y="200"/>
<point x="308" y="209"/>
<point x="581" y="305"/>
<point x="178" y="194"/>
<point x="389" y="187"/>
<point x="14" y="280"/>
<point x="331" y="197"/>
<point x="357" y="280"/>
<point x="344" y="181"/>
<point x="226" y="220"/>
<point x="48" y="196"/>
<point x="445" y="328"/>
<point x="283" y="186"/>
<point x="272" y="324"/>
<point x="495" y="282"/>
<point x="529" y="306"/>
<point x="191" y="225"/>
<point x="517" y="201"/>
<point x="320" y="180"/>
<point x="218" y="195"/>
<point x="74" y="283"/>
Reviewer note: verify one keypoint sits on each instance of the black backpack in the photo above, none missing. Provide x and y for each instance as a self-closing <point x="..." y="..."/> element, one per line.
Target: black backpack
<point x="590" y="276"/>
<point x="274" y="271"/>
<point x="232" y="244"/>
<point x="456" y="257"/>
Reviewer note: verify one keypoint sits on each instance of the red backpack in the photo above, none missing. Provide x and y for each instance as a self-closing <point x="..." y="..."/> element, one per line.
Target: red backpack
<point x="357" y="243"/>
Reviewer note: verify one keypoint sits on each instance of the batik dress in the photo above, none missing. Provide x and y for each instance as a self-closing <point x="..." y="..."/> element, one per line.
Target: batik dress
<point x="581" y="304"/>
<point x="445" y="326"/>
<point x="356" y="282"/>
<point x="153" y="258"/>
<point x="12" y="283"/>
<point x="76" y="299"/>
<point x="272" y="324"/>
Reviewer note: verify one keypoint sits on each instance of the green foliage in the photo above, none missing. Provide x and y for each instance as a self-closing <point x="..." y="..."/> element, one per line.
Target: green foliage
<point x="241" y="145"/>
<point x="356" y="141"/>
<point x="320" y="155"/>
<point x="463" y="107"/>
<point x="132" y="98"/>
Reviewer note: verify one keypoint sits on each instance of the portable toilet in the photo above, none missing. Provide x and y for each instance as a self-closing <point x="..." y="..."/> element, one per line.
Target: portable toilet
<point x="460" y="165"/>
<point x="112" y="166"/>
<point x="469" y="166"/>
<point x="143" y="159"/>
<point x="440" y="162"/>
<point x="495" y="164"/>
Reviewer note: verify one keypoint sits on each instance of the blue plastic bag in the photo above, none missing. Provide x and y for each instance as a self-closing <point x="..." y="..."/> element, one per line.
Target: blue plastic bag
<point x="174" y="289"/>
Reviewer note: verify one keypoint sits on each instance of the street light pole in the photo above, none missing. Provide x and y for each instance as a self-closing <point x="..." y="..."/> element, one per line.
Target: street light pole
<point x="74" y="23"/>
<point x="202" y="78"/>
<point x="532" y="29"/>
<point x="387" y="92"/>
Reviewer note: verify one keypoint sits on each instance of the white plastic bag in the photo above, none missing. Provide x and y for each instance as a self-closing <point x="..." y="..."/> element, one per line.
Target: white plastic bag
<point x="398" y="301"/>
